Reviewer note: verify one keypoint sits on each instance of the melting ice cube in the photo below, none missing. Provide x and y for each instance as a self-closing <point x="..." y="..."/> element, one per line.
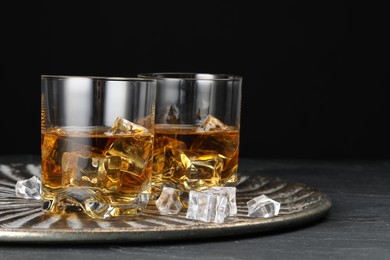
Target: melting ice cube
<point x="29" y="188"/>
<point x="263" y="207"/>
<point x="169" y="202"/>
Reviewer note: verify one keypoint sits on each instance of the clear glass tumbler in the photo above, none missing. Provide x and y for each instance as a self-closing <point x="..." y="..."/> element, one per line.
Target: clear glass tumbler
<point x="197" y="130"/>
<point x="97" y="137"/>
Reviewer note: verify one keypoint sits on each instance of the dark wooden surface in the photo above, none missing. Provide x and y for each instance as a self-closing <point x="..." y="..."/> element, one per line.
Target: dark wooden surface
<point x="357" y="226"/>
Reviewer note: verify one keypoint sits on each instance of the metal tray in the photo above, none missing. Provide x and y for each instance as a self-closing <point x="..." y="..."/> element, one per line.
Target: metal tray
<point x="22" y="220"/>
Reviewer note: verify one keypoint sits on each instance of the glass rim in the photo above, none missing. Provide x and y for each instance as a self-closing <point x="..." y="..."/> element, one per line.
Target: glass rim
<point x="190" y="76"/>
<point x="106" y="78"/>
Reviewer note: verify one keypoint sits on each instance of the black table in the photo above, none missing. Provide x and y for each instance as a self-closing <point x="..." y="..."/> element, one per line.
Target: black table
<point x="356" y="227"/>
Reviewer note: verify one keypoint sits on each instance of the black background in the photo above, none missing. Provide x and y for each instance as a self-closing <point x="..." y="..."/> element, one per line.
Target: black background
<point x="315" y="73"/>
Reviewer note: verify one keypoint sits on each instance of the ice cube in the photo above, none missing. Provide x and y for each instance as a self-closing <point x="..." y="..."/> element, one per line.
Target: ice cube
<point x="134" y="152"/>
<point x="229" y="193"/>
<point x="124" y="126"/>
<point x="94" y="171"/>
<point x="212" y="123"/>
<point x="164" y="147"/>
<point x="206" y="207"/>
<point x="168" y="203"/>
<point x="29" y="188"/>
<point x="263" y="207"/>
<point x="197" y="170"/>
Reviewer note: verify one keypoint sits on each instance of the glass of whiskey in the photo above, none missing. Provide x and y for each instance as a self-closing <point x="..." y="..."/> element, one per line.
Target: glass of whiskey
<point x="97" y="137"/>
<point x="197" y="131"/>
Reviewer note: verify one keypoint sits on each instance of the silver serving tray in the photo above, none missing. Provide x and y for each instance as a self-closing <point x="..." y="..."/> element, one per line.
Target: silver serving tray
<point x="22" y="220"/>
